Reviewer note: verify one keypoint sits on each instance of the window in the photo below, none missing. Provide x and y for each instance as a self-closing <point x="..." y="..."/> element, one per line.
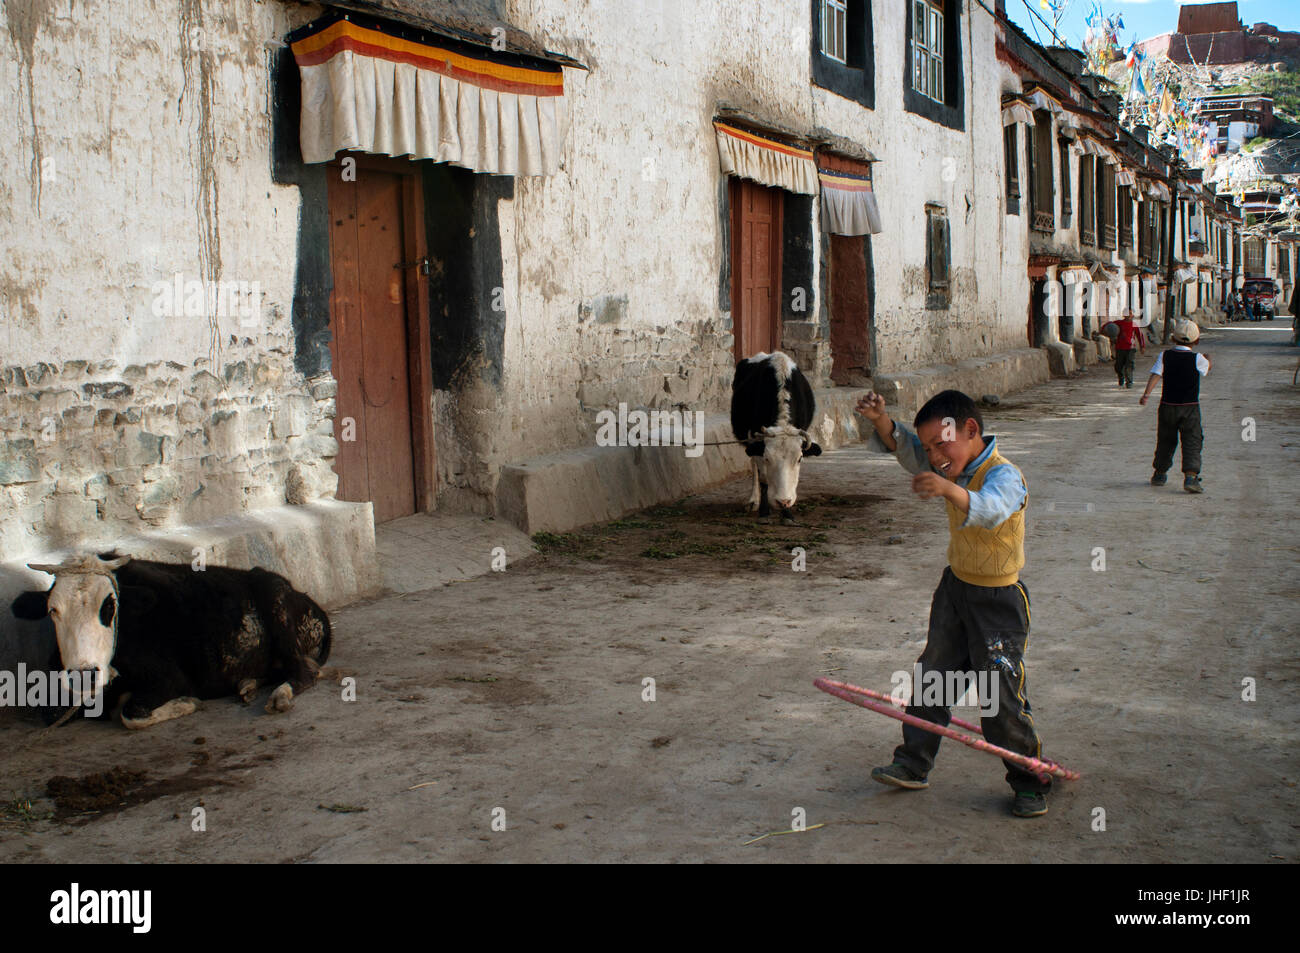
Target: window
<point x="932" y="72"/>
<point x="835" y="18"/>
<point x="1125" y="237"/>
<point x="1254" y="256"/>
<point x="1087" y="207"/>
<point x="842" y="49"/>
<point x="1105" y="205"/>
<point x="1011" y="162"/>
<point x="937" y="256"/>
<point x="1161" y="235"/>
<point x="1039" y="168"/>
<point x="1064" y="148"/>
<point x="927" y="48"/>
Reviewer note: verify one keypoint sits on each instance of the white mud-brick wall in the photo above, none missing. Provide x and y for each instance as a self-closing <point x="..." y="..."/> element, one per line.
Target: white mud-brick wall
<point x="138" y="144"/>
<point x="613" y="275"/>
<point x="922" y="162"/>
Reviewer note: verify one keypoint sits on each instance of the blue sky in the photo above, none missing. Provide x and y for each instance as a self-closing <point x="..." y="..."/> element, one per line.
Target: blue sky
<point x="1144" y="18"/>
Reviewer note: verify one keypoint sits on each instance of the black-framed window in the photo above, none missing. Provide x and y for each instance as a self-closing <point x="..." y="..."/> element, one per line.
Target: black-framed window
<point x="1105" y="204"/>
<point x="1125" y="237"/>
<point x="1087" y="201"/>
<point x="1063" y="146"/>
<point x="843" y="59"/>
<point x="932" y="77"/>
<point x="1042" y="201"/>
<point x="938" y="257"/>
<point x="927" y="49"/>
<point x="1011" y="165"/>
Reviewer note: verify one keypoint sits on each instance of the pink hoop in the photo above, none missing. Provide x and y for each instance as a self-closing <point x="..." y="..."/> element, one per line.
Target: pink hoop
<point x="855" y="695"/>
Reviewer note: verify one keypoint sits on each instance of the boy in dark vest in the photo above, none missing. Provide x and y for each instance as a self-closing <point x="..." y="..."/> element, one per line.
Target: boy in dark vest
<point x="979" y="618"/>
<point x="1127" y="344"/>
<point x="1179" y="416"/>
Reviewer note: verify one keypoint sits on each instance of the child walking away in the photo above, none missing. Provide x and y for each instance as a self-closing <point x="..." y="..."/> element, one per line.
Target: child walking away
<point x="979" y="617"/>
<point x="1179" y="416"/>
<point x="1127" y="344"/>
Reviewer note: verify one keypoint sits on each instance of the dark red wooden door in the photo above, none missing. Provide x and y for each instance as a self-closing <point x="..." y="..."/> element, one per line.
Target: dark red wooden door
<point x="850" y="311"/>
<point x="755" y="267"/>
<point x="369" y="344"/>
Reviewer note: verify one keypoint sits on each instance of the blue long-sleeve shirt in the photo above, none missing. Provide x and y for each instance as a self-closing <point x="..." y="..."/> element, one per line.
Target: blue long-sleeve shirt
<point x="1002" y="494"/>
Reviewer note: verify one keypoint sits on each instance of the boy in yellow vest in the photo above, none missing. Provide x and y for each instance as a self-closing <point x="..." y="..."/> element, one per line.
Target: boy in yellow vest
<point x="979" y="618"/>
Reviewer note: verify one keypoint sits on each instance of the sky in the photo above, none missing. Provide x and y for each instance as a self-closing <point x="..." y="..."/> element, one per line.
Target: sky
<point x="1143" y="19"/>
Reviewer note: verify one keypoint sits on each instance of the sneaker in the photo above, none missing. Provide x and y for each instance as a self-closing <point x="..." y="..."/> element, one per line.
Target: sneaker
<point x="1192" y="483"/>
<point x="900" y="776"/>
<point x="1159" y="479"/>
<point x="1029" y="804"/>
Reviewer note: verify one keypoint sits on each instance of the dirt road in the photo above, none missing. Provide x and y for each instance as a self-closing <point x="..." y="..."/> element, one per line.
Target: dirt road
<point x="523" y="690"/>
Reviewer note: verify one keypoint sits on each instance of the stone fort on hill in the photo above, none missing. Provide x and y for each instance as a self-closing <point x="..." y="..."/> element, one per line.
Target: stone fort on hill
<point x="1212" y="34"/>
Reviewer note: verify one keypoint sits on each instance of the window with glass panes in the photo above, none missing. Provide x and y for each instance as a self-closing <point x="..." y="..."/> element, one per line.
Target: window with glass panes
<point x="835" y="18"/>
<point x="927" y="48"/>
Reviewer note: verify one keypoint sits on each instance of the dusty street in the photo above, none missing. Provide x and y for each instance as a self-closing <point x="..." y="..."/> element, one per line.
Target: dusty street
<point x="522" y="690"/>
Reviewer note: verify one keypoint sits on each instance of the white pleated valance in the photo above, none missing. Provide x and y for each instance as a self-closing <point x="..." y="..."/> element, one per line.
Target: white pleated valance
<point x="1157" y="190"/>
<point x="1042" y="100"/>
<point x="369" y="91"/>
<point x="1125" y="177"/>
<point x="1183" y="275"/>
<point x="766" y="161"/>
<point x="1015" y="111"/>
<point x="848" y="204"/>
<point x="1092" y="147"/>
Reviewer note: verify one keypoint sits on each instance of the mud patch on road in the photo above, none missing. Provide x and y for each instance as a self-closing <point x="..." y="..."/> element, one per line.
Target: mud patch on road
<point x="80" y="800"/>
<point x="506" y="690"/>
<point x="714" y="534"/>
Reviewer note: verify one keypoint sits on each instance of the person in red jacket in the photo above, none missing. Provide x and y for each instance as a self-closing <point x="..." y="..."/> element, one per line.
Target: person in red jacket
<point x="1127" y="344"/>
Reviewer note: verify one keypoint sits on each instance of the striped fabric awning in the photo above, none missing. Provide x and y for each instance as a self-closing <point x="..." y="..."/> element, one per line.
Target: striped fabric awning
<point x="750" y="156"/>
<point x="848" y="204"/>
<point x="367" y="89"/>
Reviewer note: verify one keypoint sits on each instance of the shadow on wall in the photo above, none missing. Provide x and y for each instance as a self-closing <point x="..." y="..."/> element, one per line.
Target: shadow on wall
<point x="21" y="641"/>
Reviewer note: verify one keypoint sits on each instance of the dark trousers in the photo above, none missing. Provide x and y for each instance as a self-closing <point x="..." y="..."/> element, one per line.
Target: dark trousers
<point x="1124" y="363"/>
<point x="978" y="629"/>
<point x="1178" y="422"/>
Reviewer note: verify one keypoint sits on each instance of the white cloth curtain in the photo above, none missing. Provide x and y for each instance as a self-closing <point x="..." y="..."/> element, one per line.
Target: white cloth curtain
<point x="370" y="103"/>
<point x="847" y="212"/>
<point x="1016" y="111"/>
<point x="766" y="161"/>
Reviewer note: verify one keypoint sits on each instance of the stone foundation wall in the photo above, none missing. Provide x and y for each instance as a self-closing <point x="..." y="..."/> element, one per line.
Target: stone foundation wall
<point x="90" y="449"/>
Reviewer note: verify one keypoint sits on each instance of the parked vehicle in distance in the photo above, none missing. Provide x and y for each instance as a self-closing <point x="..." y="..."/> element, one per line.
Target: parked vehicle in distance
<point x="1260" y="295"/>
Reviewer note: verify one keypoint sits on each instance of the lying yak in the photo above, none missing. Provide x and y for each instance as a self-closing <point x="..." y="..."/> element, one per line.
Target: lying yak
<point x="159" y="637"/>
<point x="772" y="406"/>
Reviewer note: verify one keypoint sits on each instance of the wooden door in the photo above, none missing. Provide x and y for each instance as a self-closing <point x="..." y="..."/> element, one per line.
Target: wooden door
<point x="755" y="267"/>
<point x="369" y="343"/>
<point x="850" y="323"/>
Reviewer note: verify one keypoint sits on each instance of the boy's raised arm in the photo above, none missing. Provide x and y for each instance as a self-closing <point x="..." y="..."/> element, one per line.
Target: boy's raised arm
<point x="906" y="448"/>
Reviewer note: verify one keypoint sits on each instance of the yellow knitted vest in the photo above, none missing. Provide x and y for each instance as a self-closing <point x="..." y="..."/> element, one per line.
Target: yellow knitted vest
<point x="987" y="557"/>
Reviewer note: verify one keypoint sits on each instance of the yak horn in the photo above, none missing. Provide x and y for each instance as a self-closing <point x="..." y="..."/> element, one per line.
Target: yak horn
<point x="82" y="564"/>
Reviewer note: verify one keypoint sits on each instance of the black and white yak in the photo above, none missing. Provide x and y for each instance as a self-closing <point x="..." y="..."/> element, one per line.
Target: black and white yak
<point x="158" y="637"/>
<point x="772" y="406"/>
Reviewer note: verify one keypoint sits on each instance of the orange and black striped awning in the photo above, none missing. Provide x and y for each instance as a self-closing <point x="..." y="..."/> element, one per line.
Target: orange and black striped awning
<point x="376" y="87"/>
